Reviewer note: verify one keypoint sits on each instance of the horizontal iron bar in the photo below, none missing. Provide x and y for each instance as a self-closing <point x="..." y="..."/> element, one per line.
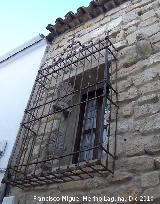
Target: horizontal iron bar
<point x="63" y="156"/>
<point x="83" y="48"/>
<point x="76" y="91"/>
<point x="71" y="106"/>
<point x="75" y="61"/>
<point x="28" y="128"/>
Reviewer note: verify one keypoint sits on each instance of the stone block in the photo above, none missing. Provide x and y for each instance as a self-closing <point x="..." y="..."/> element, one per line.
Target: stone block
<point x="157" y="162"/>
<point x="130" y="30"/>
<point x="132" y="15"/>
<point x="123" y="190"/>
<point x="141" y="4"/>
<point x="153" y="147"/>
<point x="131" y="94"/>
<point x="136" y="164"/>
<point x="41" y="128"/>
<point x="153" y="193"/>
<point x="158" y="13"/>
<point x="141" y="163"/>
<point x="135" y="150"/>
<point x="151" y="87"/>
<point x="121" y="176"/>
<point x="151" y="30"/>
<point x="147" y="31"/>
<point x="36" y="151"/>
<point x="148" y="99"/>
<point x="131" y="24"/>
<point x="117" y="14"/>
<point x="128" y="56"/>
<point x="120" y="36"/>
<point x="146" y="110"/>
<point x="113" y="33"/>
<point x="125" y="5"/>
<point x="148" y="124"/>
<point x="132" y="189"/>
<point x="156" y="47"/>
<point x="83" y="184"/>
<point x="127" y="110"/>
<point x="144" y="49"/>
<point x="131" y="38"/>
<point x="148" y="14"/>
<point x="106" y="19"/>
<point x="150" y="179"/>
<point x="155" y="38"/>
<point x="94" y="33"/>
<point x="114" y="23"/>
<point x="154" y="59"/>
<point x="49" y="126"/>
<point x="124" y="73"/>
<point x="146" y="76"/>
<point x="120" y="45"/>
<point x="126" y="125"/>
<point x="121" y="145"/>
<point x="149" y="21"/>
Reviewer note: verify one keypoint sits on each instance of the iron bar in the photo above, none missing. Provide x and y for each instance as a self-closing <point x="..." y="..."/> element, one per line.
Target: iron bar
<point x="76" y="91"/>
<point x="78" y="77"/>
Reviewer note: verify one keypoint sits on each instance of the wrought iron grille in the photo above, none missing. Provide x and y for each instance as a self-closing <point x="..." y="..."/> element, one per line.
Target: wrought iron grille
<point x="69" y="126"/>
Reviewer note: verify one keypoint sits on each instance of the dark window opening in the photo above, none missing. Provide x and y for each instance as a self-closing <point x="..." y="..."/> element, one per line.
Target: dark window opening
<point x="90" y="126"/>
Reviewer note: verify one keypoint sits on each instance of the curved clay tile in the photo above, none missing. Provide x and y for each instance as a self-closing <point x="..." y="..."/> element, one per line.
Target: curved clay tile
<point x="95" y="8"/>
<point x="71" y="19"/>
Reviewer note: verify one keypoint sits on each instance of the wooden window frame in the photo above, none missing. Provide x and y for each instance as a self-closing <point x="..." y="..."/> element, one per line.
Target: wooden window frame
<point x="98" y="96"/>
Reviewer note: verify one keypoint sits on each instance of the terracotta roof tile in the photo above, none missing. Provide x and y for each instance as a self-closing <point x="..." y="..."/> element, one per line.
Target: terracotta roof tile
<point x="71" y="20"/>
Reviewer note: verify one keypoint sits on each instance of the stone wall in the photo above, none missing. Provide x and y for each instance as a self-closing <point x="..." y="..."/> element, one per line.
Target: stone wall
<point x="135" y="31"/>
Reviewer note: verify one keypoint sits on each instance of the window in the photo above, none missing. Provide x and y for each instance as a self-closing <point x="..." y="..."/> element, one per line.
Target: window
<point x="89" y="132"/>
<point x="66" y="130"/>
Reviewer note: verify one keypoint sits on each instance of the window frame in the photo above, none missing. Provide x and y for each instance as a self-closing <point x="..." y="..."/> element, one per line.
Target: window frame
<point x="91" y="95"/>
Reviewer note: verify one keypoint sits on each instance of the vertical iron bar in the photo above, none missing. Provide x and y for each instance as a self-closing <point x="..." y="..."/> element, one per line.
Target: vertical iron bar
<point x="105" y="93"/>
<point x="115" y="142"/>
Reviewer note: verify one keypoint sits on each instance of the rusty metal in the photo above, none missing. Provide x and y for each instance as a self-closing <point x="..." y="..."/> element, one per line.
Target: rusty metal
<point x="57" y="94"/>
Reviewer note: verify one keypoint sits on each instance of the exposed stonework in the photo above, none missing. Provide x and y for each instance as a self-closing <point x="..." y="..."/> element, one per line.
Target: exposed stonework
<point x="150" y="179"/>
<point x="135" y="32"/>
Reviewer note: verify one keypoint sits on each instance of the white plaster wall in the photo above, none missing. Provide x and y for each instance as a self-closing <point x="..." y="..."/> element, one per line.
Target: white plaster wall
<point x="17" y="77"/>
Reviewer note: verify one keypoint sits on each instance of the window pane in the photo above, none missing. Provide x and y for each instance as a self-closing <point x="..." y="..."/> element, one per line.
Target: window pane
<point x="87" y="142"/>
<point x="90" y="115"/>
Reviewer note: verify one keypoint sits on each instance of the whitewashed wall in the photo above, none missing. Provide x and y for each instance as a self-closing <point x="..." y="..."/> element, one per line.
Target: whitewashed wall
<point x="17" y="76"/>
